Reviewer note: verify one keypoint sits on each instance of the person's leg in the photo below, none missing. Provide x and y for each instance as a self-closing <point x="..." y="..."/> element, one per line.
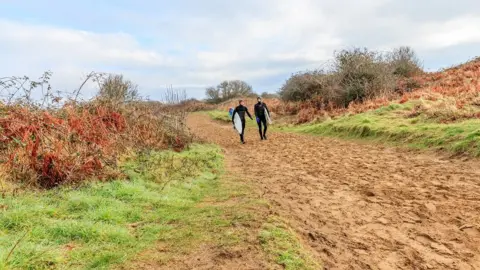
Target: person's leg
<point x="264" y="121"/>
<point x="243" y="132"/>
<point x="259" y="123"/>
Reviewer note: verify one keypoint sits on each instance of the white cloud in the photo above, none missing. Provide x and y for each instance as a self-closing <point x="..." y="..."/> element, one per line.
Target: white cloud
<point x="453" y="32"/>
<point x="67" y="45"/>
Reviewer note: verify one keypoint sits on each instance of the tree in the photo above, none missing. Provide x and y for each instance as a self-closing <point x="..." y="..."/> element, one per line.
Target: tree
<point x="115" y="88"/>
<point x="405" y="62"/>
<point x="213" y="95"/>
<point x="227" y="90"/>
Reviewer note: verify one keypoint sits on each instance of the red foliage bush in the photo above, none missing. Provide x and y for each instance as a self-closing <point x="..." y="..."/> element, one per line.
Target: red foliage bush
<point x="368" y="105"/>
<point x="46" y="148"/>
<point x="306" y="115"/>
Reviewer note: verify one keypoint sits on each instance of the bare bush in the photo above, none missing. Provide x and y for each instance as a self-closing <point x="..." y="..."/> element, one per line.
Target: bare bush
<point x="21" y="90"/>
<point x="362" y="74"/>
<point x="39" y="93"/>
<point x="354" y="75"/>
<point x="303" y="86"/>
<point x="115" y="88"/>
<point x="405" y="62"/>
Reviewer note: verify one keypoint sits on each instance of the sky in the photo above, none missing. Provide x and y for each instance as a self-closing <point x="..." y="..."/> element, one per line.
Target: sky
<point x="192" y="44"/>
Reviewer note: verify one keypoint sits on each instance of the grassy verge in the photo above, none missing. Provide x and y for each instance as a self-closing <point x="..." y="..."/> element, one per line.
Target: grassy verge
<point x="220" y="116"/>
<point x="396" y="124"/>
<point x="284" y="248"/>
<point x="102" y="224"/>
<point x="237" y="219"/>
<point x="122" y="224"/>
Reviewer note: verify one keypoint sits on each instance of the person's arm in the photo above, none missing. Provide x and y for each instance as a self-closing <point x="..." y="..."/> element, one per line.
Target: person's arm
<point x="246" y="110"/>
<point x="255" y="110"/>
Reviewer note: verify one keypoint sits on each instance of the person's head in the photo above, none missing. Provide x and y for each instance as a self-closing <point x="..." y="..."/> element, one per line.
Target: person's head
<point x="241" y="102"/>
<point x="259" y="99"/>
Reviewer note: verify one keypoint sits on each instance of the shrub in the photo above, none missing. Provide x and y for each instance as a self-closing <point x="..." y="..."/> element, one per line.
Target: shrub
<point x="405" y="62"/>
<point x="46" y="146"/>
<point x="355" y="75"/>
<point x="116" y="89"/>
<point x="303" y="86"/>
<point x="362" y="74"/>
<point x="306" y="115"/>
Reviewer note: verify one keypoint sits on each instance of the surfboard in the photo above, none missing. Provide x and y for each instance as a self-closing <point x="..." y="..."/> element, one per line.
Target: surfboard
<point x="237" y="123"/>
<point x="268" y="116"/>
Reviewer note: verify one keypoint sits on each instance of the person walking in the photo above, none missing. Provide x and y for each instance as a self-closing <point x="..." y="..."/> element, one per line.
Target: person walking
<point x="260" y="113"/>
<point x="241" y="109"/>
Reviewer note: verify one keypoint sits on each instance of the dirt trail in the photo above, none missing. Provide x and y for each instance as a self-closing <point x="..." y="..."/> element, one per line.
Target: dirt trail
<point x="362" y="206"/>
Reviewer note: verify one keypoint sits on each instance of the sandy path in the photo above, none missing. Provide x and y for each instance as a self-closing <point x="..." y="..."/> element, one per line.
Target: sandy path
<point x="362" y="206"/>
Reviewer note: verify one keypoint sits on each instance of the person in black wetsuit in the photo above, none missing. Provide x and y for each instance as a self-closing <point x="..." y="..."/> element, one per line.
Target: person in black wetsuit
<point x="260" y="108"/>
<point x="241" y="110"/>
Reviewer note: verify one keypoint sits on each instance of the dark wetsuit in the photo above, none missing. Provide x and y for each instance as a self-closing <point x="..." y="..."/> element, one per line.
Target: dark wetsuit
<point x="261" y="119"/>
<point x="241" y="110"/>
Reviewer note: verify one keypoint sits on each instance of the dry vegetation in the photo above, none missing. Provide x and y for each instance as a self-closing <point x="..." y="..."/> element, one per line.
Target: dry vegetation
<point x="58" y="139"/>
<point x="360" y="80"/>
<point x="447" y="95"/>
<point x="454" y="93"/>
<point x="353" y="77"/>
<point x="437" y="110"/>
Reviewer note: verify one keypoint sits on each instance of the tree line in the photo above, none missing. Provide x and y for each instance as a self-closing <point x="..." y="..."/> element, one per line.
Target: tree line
<point x="227" y="90"/>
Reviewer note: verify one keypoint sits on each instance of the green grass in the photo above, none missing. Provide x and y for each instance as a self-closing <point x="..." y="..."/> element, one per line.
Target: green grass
<point x="219" y="116"/>
<point x="390" y="124"/>
<point x="284" y="247"/>
<point x="102" y="224"/>
<point x="119" y="223"/>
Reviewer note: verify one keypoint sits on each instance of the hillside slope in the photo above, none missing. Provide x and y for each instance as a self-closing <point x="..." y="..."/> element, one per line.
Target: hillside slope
<point x="442" y="114"/>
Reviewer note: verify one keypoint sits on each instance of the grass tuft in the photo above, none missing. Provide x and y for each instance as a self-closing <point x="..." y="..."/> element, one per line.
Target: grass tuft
<point x="284" y="247"/>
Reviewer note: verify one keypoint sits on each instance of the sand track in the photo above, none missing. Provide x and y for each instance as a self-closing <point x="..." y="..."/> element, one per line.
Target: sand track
<point x="362" y="206"/>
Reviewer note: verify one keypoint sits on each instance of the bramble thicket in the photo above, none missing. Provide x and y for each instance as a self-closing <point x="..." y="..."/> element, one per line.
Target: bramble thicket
<point x="46" y="142"/>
